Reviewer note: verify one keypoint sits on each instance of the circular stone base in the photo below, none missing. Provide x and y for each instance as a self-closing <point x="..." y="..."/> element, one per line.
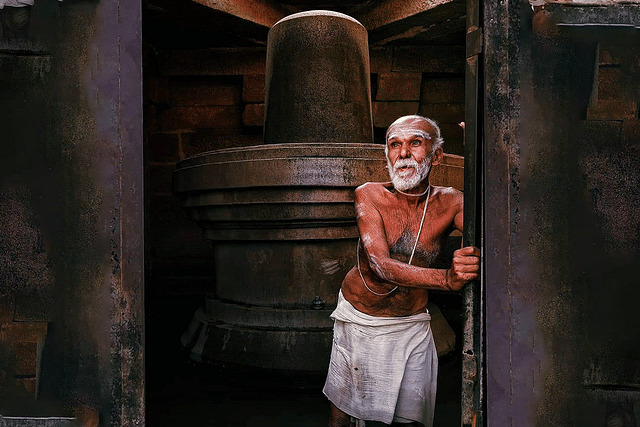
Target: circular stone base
<point x="209" y="340"/>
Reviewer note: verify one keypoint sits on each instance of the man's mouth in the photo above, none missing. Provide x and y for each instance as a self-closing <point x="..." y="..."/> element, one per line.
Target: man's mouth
<point x="405" y="169"/>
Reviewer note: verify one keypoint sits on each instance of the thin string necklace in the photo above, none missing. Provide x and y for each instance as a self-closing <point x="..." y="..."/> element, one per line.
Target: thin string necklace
<point x="424" y="213"/>
<point x="415" y="195"/>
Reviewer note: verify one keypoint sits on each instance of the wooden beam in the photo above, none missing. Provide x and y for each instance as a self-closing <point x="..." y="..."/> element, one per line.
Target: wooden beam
<point x="260" y="12"/>
<point x="391" y="20"/>
<point x="387" y="12"/>
<point x="424" y="32"/>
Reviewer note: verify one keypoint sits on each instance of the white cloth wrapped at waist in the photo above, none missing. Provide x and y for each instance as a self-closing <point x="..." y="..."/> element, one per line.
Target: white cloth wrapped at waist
<point x="382" y="368"/>
<point x="15" y="3"/>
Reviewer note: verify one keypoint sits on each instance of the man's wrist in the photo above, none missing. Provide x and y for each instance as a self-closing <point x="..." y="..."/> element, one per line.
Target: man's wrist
<point x="447" y="286"/>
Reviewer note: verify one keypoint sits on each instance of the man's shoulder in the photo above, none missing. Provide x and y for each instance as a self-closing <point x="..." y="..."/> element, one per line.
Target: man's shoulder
<point x="373" y="188"/>
<point x="447" y="191"/>
<point x="449" y="196"/>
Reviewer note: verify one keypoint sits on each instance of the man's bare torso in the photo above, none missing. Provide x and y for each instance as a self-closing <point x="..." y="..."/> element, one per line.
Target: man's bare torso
<point x="400" y="217"/>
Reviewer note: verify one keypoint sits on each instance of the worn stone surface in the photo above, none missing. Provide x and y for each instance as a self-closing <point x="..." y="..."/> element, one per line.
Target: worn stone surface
<point x="201" y="92"/>
<point x="25" y="354"/>
<point x="317" y="81"/>
<point x="212" y="62"/>
<point x="163" y="147"/>
<point x="631" y="134"/>
<point x="609" y="83"/>
<point x="22" y="343"/>
<point x="399" y="86"/>
<point x="25" y="261"/>
<point x="292" y="202"/>
<point x="429" y="59"/>
<point x="557" y="189"/>
<point x="253" y="88"/>
<point x="184" y="118"/>
<point x="208" y="139"/>
<point x="7" y="307"/>
<point x="385" y="113"/>
<point x="73" y="140"/>
<point x="159" y="178"/>
<point x="158" y="90"/>
<point x="253" y="115"/>
<point x="33" y="307"/>
<point x="37" y="421"/>
<point x="27" y="332"/>
<point x="381" y="59"/>
<point x="446" y="90"/>
<point x="443" y="113"/>
<point x="20" y="68"/>
<point x="612" y="109"/>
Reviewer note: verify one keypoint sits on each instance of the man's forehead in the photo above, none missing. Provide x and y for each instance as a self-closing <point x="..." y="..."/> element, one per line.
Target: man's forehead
<point x="409" y="129"/>
<point x="406" y="131"/>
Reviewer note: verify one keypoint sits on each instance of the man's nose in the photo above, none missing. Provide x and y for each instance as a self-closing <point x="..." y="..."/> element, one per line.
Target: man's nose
<point x="405" y="152"/>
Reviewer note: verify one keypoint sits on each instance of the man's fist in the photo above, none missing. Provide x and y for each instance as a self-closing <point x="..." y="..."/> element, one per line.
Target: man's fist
<point x="464" y="268"/>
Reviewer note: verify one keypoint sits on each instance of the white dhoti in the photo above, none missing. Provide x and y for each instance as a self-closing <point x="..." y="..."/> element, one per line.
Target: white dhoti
<point x="382" y="368"/>
<point x="15" y="3"/>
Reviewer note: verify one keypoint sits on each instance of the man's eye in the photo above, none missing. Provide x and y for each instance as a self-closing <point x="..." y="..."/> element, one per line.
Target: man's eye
<point x="394" y="144"/>
<point x="416" y="142"/>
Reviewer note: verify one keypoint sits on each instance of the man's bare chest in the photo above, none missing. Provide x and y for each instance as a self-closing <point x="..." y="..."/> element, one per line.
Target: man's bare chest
<point x="406" y="237"/>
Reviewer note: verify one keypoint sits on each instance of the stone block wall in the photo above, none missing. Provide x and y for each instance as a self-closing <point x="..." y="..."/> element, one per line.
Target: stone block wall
<point x="611" y="170"/>
<point x="201" y="100"/>
<point x="616" y="93"/>
<point x="25" y="288"/>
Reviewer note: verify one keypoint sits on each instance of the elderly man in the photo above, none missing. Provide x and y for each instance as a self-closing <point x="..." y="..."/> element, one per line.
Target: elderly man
<point x="384" y="365"/>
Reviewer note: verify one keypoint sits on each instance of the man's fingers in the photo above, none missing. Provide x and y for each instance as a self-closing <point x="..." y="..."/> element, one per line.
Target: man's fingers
<point x="466" y="268"/>
<point x="467" y="259"/>
<point x="468" y="251"/>
<point x="466" y="273"/>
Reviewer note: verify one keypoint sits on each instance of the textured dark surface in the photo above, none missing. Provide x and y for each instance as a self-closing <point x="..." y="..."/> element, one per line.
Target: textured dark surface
<point x="72" y="134"/>
<point x="281" y="214"/>
<point x="560" y="275"/>
<point x="36" y="421"/>
<point x="183" y="393"/>
<point x="317" y="80"/>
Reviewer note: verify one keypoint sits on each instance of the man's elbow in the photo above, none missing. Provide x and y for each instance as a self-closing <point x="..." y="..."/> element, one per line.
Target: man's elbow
<point x="378" y="268"/>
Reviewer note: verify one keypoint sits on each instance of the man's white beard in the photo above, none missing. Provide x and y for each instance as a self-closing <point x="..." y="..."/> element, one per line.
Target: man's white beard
<point x="406" y="181"/>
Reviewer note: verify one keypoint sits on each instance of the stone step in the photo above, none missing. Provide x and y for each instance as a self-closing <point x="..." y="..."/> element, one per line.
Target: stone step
<point x="6" y="421"/>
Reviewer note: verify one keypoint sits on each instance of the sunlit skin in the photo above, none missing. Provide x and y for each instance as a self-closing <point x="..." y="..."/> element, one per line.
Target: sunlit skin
<point x="385" y="215"/>
<point x="388" y="222"/>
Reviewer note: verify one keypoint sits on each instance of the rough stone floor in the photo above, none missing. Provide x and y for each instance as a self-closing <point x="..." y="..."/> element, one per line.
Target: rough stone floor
<point x="184" y="393"/>
<point x="197" y="396"/>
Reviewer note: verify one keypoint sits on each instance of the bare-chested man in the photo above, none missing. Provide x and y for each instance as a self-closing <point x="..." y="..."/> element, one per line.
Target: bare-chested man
<point x="383" y="361"/>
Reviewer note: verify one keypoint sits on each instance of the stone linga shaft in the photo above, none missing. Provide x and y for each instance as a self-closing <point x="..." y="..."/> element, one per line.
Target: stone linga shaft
<point x="317" y="80"/>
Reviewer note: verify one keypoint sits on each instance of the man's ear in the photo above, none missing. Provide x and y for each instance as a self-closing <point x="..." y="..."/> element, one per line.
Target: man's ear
<point x="436" y="157"/>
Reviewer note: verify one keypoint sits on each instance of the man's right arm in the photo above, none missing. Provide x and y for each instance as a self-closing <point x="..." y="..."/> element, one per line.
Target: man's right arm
<point x="376" y="248"/>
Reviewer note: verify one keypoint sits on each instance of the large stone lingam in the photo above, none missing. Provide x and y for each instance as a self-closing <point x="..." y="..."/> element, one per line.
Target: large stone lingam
<point x="281" y="214"/>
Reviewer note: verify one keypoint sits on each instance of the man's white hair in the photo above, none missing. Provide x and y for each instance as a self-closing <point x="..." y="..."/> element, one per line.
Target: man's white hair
<point x="436" y="140"/>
